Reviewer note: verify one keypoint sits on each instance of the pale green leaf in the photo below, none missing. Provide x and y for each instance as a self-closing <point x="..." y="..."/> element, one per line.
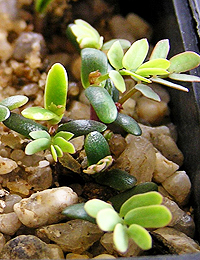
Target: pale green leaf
<point x="37" y="146"/>
<point x="136" y="54"/>
<point x="184" y="77"/>
<point x="184" y="61"/>
<point x="169" y="84"/>
<point x="115" y="55"/>
<point x="154" y="216"/>
<point x="140" y="236"/>
<point x="40" y="134"/>
<point x="54" y="153"/>
<point x="140" y="200"/>
<point x="59" y="151"/>
<point x="107" y="219"/>
<point x="156" y="63"/>
<point x="134" y="75"/>
<point x="63" y="144"/>
<point x="147" y="72"/>
<point x="4" y="113"/>
<point x="160" y="50"/>
<point x="14" y="101"/>
<point x="118" y="80"/>
<point x="147" y="92"/>
<point x="92" y="31"/>
<point x="93" y="206"/>
<point x="120" y="238"/>
<point x="64" y="134"/>
<point x="124" y="43"/>
<point x="38" y="113"/>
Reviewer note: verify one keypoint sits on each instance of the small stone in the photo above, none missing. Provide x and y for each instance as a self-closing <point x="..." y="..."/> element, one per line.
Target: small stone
<point x="45" y="207"/>
<point x="73" y="236"/>
<point x="103" y="256"/>
<point x="9" y="223"/>
<point x="10" y="201"/>
<point x="2" y="241"/>
<point x="76" y="256"/>
<point x="179" y="187"/>
<point x="78" y="110"/>
<point x="27" y="247"/>
<point x="7" y="165"/>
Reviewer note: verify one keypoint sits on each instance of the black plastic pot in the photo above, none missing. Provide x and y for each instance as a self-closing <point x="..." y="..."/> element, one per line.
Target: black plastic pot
<point x="178" y="21"/>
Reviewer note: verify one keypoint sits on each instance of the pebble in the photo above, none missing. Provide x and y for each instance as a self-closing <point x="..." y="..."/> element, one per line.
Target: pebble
<point x="2" y="241"/>
<point x="78" y="110"/>
<point x="9" y="223"/>
<point x="28" y="247"/>
<point x="7" y="165"/>
<point x="179" y="187"/>
<point x="74" y="236"/>
<point x="45" y="207"/>
<point x="10" y="201"/>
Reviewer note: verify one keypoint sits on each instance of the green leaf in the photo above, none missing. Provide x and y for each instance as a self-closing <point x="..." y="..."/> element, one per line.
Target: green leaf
<point x="102" y="103"/>
<point x="135" y="76"/>
<point x="141" y="200"/>
<point x="64" y="134"/>
<point x="59" y="151"/>
<point x="4" y="113"/>
<point x="184" y="77"/>
<point x="107" y="219"/>
<point x="77" y="211"/>
<point x="41" y="5"/>
<point x="147" y="72"/>
<point x="118" y="80"/>
<point x="115" y="55"/>
<point x="38" y="113"/>
<point x="169" y="84"/>
<point x="160" y="50"/>
<point x="93" y="206"/>
<point x="120" y="238"/>
<point x="14" y="101"/>
<point x="37" y="146"/>
<point x="64" y="145"/>
<point x="154" y="216"/>
<point x="82" y="127"/>
<point x="40" y="134"/>
<point x="54" y="153"/>
<point x="124" y="43"/>
<point x="55" y="95"/>
<point x="128" y="124"/>
<point x="136" y="54"/>
<point x="155" y="63"/>
<point x="184" y="61"/>
<point x="92" y="60"/>
<point x="140" y="236"/>
<point x="147" y="92"/>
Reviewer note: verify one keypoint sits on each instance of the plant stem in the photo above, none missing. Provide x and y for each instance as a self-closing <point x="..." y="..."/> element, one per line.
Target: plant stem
<point x="127" y="95"/>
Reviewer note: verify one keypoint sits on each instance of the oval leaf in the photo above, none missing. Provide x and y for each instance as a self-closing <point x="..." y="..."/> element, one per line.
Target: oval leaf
<point x="147" y="92"/>
<point x="154" y="216"/>
<point x="64" y="134"/>
<point x="93" y="206"/>
<point x="54" y="153"/>
<point x="147" y="72"/>
<point x="184" y="61"/>
<point x="140" y="200"/>
<point x="14" y="101"/>
<point x="38" y="113"/>
<point x="59" y="151"/>
<point x="160" y="50"/>
<point x="64" y="145"/>
<point x="120" y="238"/>
<point x="92" y="60"/>
<point x="40" y="134"/>
<point x="156" y="63"/>
<point x="102" y="103"/>
<point x="140" y="236"/>
<point x="37" y="146"/>
<point x="107" y="219"/>
<point x="118" y="80"/>
<point x="169" y="84"/>
<point x="115" y="55"/>
<point x="4" y="113"/>
<point x="184" y="77"/>
<point x="124" y="43"/>
<point x="136" y="54"/>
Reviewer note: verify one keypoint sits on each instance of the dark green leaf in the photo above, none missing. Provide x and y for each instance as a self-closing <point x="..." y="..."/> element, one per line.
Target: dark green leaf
<point x="41" y="5"/>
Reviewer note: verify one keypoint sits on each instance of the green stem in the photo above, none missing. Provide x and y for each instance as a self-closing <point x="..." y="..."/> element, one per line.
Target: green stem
<point x="127" y="95"/>
<point x="102" y="78"/>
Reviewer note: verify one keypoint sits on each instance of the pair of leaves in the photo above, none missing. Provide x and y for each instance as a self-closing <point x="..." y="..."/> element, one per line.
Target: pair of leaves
<point x="57" y="144"/>
<point x="55" y="97"/>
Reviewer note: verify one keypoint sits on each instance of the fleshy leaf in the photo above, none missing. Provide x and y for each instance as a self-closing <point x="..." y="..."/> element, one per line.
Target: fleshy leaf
<point x="184" y="77"/>
<point x="184" y="61"/>
<point x="4" y="113"/>
<point x="55" y="95"/>
<point x="115" y="55"/>
<point x="169" y="84"/>
<point x="118" y="80"/>
<point x="93" y="206"/>
<point x="37" y="146"/>
<point x="147" y="72"/>
<point x="120" y="238"/>
<point x="135" y="76"/>
<point x="64" y="134"/>
<point x="140" y="236"/>
<point x="54" y="153"/>
<point x="63" y="144"/>
<point x="92" y="60"/>
<point x="107" y="219"/>
<point x="14" y="101"/>
<point x="160" y="50"/>
<point x="59" y="151"/>
<point x="147" y="92"/>
<point x="136" y="54"/>
<point x="40" y="134"/>
<point x="154" y="216"/>
<point x="156" y="63"/>
<point x="140" y="200"/>
<point x="38" y="113"/>
<point x="124" y="43"/>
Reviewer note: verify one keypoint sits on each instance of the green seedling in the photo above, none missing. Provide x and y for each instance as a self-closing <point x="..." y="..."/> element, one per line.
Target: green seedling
<point x="136" y="215"/>
<point x="41" y="5"/>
